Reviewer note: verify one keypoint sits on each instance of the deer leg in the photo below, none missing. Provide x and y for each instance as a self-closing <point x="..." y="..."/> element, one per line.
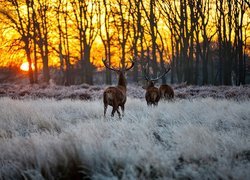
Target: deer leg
<point x="161" y="94"/>
<point x="172" y="95"/>
<point x="119" y="114"/>
<point x="167" y="96"/>
<point x="105" y="103"/>
<point x="122" y="107"/>
<point x="114" y="110"/>
<point x="105" y="109"/>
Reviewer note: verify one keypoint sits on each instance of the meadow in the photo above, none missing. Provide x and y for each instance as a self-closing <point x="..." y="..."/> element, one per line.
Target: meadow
<point x="188" y="138"/>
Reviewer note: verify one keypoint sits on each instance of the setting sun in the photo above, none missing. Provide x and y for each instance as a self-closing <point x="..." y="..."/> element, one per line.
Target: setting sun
<point x="205" y="42"/>
<point x="25" y="66"/>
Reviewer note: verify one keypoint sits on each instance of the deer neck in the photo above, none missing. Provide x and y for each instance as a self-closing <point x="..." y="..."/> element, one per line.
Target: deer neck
<point x="122" y="81"/>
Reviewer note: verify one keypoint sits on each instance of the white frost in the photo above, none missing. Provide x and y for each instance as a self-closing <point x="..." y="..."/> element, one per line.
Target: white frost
<point x="197" y="139"/>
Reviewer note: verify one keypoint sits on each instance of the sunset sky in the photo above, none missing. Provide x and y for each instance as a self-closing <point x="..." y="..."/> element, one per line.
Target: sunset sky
<point x="11" y="51"/>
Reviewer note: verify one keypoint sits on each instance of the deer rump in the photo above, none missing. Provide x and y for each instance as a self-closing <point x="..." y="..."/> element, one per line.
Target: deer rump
<point x="152" y="96"/>
<point x="114" y="96"/>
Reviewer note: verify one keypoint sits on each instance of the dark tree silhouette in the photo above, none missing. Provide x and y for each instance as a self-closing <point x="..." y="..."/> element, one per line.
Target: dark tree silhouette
<point x="22" y="24"/>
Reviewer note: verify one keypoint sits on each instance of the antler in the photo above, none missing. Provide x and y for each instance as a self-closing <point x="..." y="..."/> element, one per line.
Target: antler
<point x="113" y="69"/>
<point x="107" y="66"/>
<point x="132" y="64"/>
<point x="159" y="77"/>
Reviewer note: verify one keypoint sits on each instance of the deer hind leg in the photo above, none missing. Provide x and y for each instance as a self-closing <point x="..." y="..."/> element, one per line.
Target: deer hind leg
<point x="122" y="107"/>
<point x="115" y="109"/>
<point x="105" y="103"/>
<point x="165" y="96"/>
<point x="149" y="103"/>
<point x="105" y="109"/>
<point x="172" y="95"/>
<point x="161" y="95"/>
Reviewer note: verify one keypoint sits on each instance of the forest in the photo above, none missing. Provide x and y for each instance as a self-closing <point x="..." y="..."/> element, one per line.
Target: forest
<point x="60" y="118"/>
<point x="205" y="42"/>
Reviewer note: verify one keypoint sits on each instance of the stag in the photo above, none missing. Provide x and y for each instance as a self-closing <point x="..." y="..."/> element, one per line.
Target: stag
<point x="153" y="94"/>
<point x="115" y="96"/>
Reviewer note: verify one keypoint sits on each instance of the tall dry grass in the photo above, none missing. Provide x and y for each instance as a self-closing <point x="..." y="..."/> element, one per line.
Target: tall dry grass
<point x="196" y="139"/>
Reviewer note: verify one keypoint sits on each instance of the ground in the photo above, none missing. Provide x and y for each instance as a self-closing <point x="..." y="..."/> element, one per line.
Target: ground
<point x="86" y="92"/>
<point x="59" y="132"/>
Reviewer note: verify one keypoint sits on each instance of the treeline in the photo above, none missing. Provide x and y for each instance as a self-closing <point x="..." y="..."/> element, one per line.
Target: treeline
<point x="205" y="41"/>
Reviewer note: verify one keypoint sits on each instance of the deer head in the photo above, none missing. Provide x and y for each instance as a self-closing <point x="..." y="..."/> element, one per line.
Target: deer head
<point x="151" y="81"/>
<point x="121" y="72"/>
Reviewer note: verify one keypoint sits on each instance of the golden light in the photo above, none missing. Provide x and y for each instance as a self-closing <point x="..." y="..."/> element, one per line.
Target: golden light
<point x="25" y="66"/>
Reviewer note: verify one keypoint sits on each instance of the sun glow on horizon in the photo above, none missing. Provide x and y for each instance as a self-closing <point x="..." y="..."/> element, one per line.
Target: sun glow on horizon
<point x="25" y="66"/>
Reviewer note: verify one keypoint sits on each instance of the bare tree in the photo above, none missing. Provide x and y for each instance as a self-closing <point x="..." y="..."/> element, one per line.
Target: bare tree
<point x="86" y="14"/>
<point x="22" y="23"/>
<point x="121" y="20"/>
<point x="240" y="7"/>
<point x="203" y="11"/>
<point x="43" y="44"/>
<point x="152" y="20"/>
<point x="170" y="20"/>
<point x="107" y="35"/>
<point x="66" y="68"/>
<point x="137" y="34"/>
<point x="230" y="15"/>
<point x="177" y="20"/>
<point x="34" y="24"/>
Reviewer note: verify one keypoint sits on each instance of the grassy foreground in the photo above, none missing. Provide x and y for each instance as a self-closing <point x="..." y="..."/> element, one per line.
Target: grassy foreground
<point x="196" y="139"/>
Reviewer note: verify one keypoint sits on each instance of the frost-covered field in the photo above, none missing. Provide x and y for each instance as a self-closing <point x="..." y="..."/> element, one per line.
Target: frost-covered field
<point x="201" y="138"/>
<point x="86" y="92"/>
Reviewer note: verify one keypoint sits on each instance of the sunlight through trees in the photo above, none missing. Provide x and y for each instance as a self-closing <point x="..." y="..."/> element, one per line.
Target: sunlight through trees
<point x="204" y="41"/>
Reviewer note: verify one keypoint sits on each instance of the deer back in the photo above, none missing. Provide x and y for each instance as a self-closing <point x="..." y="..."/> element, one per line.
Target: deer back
<point x="166" y="91"/>
<point x="152" y="95"/>
<point x="114" y="96"/>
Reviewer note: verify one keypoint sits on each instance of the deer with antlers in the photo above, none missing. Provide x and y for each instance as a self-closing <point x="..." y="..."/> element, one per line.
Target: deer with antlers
<point x="153" y="94"/>
<point x="115" y="96"/>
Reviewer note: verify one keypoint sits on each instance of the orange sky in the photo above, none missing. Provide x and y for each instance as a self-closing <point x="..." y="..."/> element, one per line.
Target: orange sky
<point x="15" y="55"/>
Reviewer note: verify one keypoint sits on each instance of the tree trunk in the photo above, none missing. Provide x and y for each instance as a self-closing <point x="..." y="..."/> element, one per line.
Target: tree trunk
<point x="30" y="72"/>
<point x="89" y="68"/>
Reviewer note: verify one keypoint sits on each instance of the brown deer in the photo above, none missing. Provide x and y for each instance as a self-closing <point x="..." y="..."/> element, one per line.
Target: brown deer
<point x="115" y="96"/>
<point x="166" y="91"/>
<point x="153" y="94"/>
